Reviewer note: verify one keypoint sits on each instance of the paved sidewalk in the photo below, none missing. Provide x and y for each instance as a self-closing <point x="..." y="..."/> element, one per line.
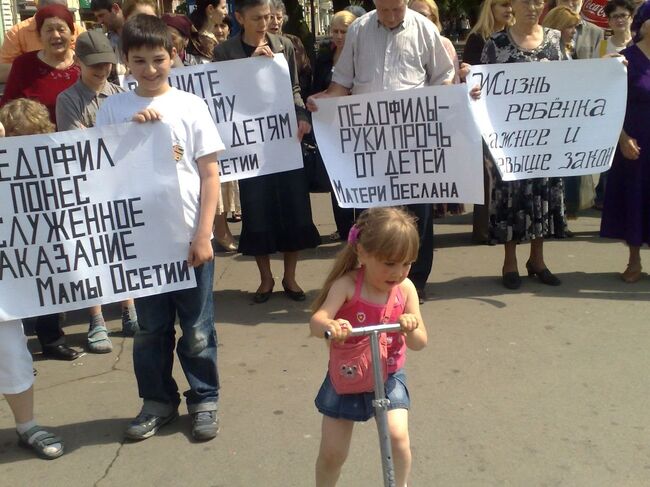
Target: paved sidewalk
<point x="537" y="387"/>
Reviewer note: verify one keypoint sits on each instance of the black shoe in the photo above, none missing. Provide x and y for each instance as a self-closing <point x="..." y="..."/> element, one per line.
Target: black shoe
<point x="295" y="295"/>
<point x="511" y="280"/>
<point x="60" y="352"/>
<point x="262" y="297"/>
<point x="545" y="276"/>
<point x="146" y="425"/>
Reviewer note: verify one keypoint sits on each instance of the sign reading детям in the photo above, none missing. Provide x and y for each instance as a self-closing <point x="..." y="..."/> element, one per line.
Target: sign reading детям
<point x="550" y="119"/>
<point x="401" y="147"/>
<point x="251" y="103"/>
<point x="89" y="217"/>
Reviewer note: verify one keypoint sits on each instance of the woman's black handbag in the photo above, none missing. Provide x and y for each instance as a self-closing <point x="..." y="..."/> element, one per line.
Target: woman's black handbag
<point x="317" y="179"/>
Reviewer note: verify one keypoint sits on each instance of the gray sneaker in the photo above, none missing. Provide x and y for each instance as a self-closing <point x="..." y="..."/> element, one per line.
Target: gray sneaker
<point x="205" y="425"/>
<point x="146" y="425"/>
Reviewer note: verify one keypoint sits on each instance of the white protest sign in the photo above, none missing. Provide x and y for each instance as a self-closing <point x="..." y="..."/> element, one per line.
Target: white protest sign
<point x="251" y="102"/>
<point x="89" y="217"/>
<point x="550" y="118"/>
<point x="401" y="147"/>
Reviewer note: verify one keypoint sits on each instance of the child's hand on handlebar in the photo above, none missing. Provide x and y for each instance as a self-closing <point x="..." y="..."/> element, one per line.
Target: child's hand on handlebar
<point x="408" y="322"/>
<point x="339" y="329"/>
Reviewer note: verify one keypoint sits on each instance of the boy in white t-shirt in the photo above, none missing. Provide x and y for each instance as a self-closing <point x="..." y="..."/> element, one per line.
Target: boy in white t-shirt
<point x="148" y="51"/>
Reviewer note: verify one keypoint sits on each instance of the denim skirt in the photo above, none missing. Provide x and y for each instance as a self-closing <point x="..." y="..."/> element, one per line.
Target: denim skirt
<point x="358" y="407"/>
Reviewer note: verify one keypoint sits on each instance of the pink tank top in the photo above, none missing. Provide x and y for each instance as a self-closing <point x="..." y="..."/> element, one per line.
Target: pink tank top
<point x="360" y="312"/>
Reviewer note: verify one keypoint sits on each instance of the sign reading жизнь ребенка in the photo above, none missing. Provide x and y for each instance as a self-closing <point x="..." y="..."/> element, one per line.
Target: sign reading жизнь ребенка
<point x="89" y="217"/>
<point x="550" y="119"/>
<point x="401" y="147"/>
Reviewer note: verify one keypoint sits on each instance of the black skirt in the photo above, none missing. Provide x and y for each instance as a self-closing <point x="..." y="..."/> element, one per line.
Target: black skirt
<point x="276" y="214"/>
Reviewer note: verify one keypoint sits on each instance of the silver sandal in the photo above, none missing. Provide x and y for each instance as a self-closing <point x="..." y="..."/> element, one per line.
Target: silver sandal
<point x="40" y="440"/>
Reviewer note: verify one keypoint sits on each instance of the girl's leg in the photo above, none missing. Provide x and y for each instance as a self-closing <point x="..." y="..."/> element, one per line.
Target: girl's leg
<point x="398" y="426"/>
<point x="510" y="257"/>
<point x="334" y="446"/>
<point x="290" y="264"/>
<point x="266" y="277"/>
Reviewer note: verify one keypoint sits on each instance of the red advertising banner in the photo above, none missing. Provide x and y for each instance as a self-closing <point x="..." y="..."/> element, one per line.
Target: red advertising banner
<point x="594" y="11"/>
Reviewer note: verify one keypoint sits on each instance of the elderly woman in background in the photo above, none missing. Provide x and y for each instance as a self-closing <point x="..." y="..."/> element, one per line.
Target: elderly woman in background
<point x="495" y="16"/>
<point x="328" y="54"/>
<point x="204" y="17"/>
<point x="626" y="214"/>
<point x="565" y="20"/>
<point x="528" y="209"/>
<point x="276" y="210"/>
<point x="181" y="29"/>
<point x="42" y="75"/>
<point x="430" y="10"/>
<point x="278" y="19"/>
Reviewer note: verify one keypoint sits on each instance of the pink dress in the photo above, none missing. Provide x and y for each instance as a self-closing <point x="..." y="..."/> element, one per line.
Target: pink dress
<point x="360" y="312"/>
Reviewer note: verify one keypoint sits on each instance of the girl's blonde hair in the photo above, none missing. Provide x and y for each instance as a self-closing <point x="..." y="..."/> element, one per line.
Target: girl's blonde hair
<point x="561" y="18"/>
<point x="485" y="24"/>
<point x="435" y="12"/>
<point x="345" y="17"/>
<point x="25" y="117"/>
<point x="385" y="233"/>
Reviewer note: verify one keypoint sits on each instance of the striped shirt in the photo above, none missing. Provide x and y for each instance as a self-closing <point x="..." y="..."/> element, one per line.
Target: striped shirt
<point x="375" y="58"/>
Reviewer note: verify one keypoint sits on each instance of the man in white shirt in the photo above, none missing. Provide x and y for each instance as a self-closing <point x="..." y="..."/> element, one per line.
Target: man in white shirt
<point x="394" y="48"/>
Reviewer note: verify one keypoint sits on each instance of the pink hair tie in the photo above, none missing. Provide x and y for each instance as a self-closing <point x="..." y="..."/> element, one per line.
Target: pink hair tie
<point x="353" y="235"/>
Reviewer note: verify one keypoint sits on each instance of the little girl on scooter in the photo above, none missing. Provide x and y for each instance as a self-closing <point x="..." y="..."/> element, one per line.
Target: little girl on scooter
<point x="369" y="285"/>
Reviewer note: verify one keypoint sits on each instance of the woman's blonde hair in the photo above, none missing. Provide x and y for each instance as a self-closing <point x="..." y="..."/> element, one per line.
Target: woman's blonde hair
<point x="435" y="12"/>
<point x="485" y="24"/>
<point x="385" y="233"/>
<point x="561" y="18"/>
<point x="25" y="117"/>
<point x="345" y="17"/>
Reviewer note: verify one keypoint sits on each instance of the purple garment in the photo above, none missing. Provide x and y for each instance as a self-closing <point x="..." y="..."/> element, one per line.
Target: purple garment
<point x="626" y="213"/>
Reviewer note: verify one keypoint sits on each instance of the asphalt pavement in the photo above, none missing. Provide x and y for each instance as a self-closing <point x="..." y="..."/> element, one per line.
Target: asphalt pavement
<point x="537" y="387"/>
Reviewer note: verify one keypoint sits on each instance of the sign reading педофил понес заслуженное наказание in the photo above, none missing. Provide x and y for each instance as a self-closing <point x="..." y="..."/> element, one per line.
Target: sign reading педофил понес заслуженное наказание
<point x="89" y="217"/>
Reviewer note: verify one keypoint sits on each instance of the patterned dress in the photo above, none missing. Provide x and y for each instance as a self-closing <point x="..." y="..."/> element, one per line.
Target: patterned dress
<point x="529" y="208"/>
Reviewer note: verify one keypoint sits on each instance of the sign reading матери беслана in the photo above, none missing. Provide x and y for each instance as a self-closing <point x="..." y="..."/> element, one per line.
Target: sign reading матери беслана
<point x="550" y="119"/>
<point x="89" y="217"/>
<point x="401" y="147"/>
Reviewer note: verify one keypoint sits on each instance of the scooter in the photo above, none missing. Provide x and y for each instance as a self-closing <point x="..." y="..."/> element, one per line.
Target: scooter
<point x="381" y="402"/>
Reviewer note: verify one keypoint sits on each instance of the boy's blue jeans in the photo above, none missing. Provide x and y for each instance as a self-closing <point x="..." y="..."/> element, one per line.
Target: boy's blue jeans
<point x="153" y="347"/>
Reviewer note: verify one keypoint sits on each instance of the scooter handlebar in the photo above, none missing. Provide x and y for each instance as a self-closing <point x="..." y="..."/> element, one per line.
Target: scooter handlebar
<point x="367" y="330"/>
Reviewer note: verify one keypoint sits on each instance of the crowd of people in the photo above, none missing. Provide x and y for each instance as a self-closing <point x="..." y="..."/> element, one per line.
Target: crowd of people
<point x="62" y="78"/>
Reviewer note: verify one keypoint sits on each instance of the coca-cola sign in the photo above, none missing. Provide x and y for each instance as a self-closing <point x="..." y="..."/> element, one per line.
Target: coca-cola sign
<point x="594" y="11"/>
